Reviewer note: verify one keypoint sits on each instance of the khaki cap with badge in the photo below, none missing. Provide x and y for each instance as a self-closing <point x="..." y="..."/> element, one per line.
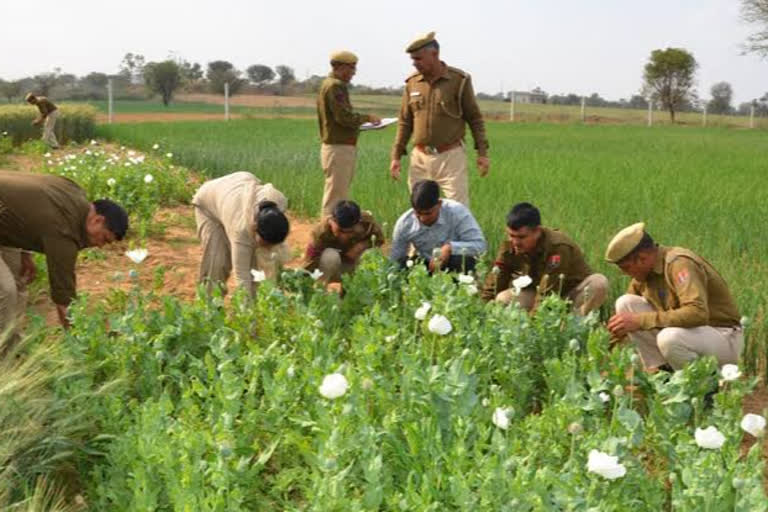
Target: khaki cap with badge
<point x="624" y="242"/>
<point x="344" y="57"/>
<point x="420" y="42"/>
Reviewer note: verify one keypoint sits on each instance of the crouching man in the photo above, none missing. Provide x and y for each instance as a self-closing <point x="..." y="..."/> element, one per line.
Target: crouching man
<point x="677" y="307"/>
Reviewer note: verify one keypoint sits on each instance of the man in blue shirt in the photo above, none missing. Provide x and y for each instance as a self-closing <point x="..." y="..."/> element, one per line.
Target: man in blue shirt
<point x="444" y="232"/>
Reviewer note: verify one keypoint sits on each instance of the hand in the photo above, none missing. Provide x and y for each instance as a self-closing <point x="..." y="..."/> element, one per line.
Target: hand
<point x="394" y="169"/>
<point x="353" y="253"/>
<point x="622" y="323"/>
<point x="483" y="165"/>
<point x="374" y="119"/>
<point x="445" y="253"/>
<point x="28" y="268"/>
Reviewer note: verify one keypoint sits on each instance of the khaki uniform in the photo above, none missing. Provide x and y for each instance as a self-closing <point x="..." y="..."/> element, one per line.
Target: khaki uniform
<point x="48" y="114"/>
<point x="41" y="213"/>
<point x="685" y="310"/>
<point x="435" y="115"/>
<point x="339" y="128"/>
<point x="555" y="255"/>
<point x="224" y="212"/>
<point x="326" y="252"/>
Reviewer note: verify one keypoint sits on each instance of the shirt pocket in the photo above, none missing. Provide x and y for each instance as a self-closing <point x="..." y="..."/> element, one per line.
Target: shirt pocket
<point x="416" y="103"/>
<point x="448" y="103"/>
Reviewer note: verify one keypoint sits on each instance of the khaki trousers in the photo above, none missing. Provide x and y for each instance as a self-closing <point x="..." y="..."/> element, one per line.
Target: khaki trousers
<point x="587" y="296"/>
<point x="338" y="162"/>
<point x="678" y="345"/>
<point x="332" y="266"/>
<point x="448" y="169"/>
<point x="13" y="294"/>
<point x="216" y="262"/>
<point x="49" y="137"/>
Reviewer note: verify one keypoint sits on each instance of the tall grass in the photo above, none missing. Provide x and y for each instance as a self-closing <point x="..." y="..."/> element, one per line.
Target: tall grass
<point x="694" y="187"/>
<point x="75" y="122"/>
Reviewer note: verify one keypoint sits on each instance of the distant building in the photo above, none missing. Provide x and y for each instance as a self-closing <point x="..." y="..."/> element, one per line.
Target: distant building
<point x="534" y="96"/>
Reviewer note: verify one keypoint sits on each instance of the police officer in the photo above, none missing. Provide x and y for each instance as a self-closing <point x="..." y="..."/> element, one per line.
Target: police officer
<point x="48" y="115"/>
<point x="339" y="128"/>
<point x="437" y="102"/>
<point x="677" y="307"/>
<point x="554" y="263"/>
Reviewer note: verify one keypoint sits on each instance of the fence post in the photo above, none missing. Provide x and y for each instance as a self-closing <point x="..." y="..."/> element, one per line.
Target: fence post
<point x="704" y="117"/>
<point x="109" y="101"/>
<point x="650" y="112"/>
<point x="226" y="101"/>
<point x="512" y="106"/>
<point x="583" y="108"/>
<point x="752" y="116"/>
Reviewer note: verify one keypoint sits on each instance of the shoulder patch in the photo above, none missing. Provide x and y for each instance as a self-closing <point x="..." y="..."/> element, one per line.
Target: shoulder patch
<point x="682" y="276"/>
<point x="553" y="262"/>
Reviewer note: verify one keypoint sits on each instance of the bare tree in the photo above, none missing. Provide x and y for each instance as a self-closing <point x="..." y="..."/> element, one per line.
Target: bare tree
<point x="756" y="12"/>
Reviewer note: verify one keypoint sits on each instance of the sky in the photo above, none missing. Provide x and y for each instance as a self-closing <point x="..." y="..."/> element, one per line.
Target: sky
<point x="562" y="46"/>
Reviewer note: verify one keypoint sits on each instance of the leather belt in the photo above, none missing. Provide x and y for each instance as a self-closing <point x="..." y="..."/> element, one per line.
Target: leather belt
<point x="436" y="150"/>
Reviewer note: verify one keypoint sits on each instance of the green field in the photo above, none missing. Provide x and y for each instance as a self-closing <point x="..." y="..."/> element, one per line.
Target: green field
<point x="697" y="188"/>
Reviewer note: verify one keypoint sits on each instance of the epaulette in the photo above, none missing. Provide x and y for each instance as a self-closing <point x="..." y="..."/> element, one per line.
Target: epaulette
<point x="458" y="71"/>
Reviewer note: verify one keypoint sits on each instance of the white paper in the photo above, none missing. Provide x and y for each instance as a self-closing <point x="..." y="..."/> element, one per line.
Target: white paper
<point x="384" y="122"/>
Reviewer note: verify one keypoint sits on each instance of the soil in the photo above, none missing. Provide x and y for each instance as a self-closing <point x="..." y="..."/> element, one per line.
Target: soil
<point x="163" y="117"/>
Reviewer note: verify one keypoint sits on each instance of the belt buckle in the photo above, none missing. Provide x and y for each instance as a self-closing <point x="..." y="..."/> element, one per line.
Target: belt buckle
<point x="432" y="150"/>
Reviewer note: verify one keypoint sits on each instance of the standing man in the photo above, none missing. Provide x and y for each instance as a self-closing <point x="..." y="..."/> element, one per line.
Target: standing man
<point x="437" y="101"/>
<point x="443" y="232"/>
<point x="677" y="307"/>
<point x="50" y="215"/>
<point x="339" y="128"/>
<point x="48" y="114"/>
<point x="340" y="240"/>
<point x="550" y="258"/>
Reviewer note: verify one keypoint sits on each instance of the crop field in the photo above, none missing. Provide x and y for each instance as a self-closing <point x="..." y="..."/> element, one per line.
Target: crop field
<point x="407" y="393"/>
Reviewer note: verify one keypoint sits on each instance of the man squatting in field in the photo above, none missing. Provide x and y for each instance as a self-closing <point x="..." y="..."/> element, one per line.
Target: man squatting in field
<point x="48" y="115"/>
<point x="443" y="232"/>
<point x="50" y="215"/>
<point x="437" y="102"/>
<point x="339" y="129"/>
<point x="552" y="260"/>
<point x="340" y="240"/>
<point x="241" y="225"/>
<point x="677" y="307"/>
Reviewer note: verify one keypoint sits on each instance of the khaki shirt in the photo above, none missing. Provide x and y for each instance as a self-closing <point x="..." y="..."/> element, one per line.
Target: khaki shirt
<point x="339" y="124"/>
<point x="555" y="254"/>
<point x="435" y="113"/>
<point x="686" y="291"/>
<point x="323" y="238"/>
<point x="45" y="214"/>
<point x="45" y="106"/>
<point x="233" y="200"/>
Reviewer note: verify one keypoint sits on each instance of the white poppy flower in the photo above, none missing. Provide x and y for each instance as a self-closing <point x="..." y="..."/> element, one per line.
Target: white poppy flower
<point x="169" y="155"/>
<point x="605" y="397"/>
<point x="521" y="282"/>
<point x="148" y="178"/>
<point x="156" y="146"/>
<point x="500" y="418"/>
<point x="334" y="386"/>
<point x="93" y="142"/>
<point x="754" y="424"/>
<point x="409" y="263"/>
<point x="50" y="162"/>
<point x="111" y="182"/>
<point x="316" y="274"/>
<point x="390" y="338"/>
<point x="258" y="275"/>
<point x="730" y="372"/>
<point x="438" y="324"/>
<point x="421" y="313"/>
<point x="291" y="371"/>
<point x="466" y="279"/>
<point x="472" y="289"/>
<point x="137" y="255"/>
<point x="709" y="438"/>
<point x="47" y="155"/>
<point x="607" y="466"/>
<point x="495" y="270"/>
<point x="131" y="152"/>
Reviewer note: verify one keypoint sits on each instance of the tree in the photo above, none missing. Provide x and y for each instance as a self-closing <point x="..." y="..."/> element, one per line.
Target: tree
<point x="44" y="82"/>
<point x="637" y="101"/>
<point x="163" y="78"/>
<point x="259" y="73"/>
<point x="756" y="12"/>
<point x="191" y="73"/>
<point x="221" y="72"/>
<point x="286" y="76"/>
<point x="722" y="94"/>
<point x="10" y="89"/>
<point x="132" y="67"/>
<point x="669" y="76"/>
